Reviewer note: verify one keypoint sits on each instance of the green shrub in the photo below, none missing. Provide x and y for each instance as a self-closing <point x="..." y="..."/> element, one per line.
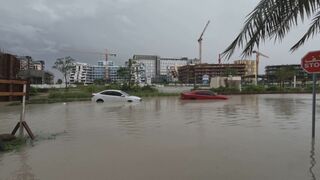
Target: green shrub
<point x="253" y="88"/>
<point x="33" y="91"/>
<point x="13" y="145"/>
<point x="273" y="88"/>
<point x="224" y="90"/>
<point x="66" y="95"/>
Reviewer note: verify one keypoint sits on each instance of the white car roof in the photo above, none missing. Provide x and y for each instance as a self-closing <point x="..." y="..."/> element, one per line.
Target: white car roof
<point x="112" y="90"/>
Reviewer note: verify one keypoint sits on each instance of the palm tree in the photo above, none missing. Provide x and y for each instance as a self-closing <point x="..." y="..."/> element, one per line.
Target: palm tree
<point x="284" y="74"/>
<point x="64" y="65"/>
<point x="273" y="19"/>
<point x="123" y="73"/>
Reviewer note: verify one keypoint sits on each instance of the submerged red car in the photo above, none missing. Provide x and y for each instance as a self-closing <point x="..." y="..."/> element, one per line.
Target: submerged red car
<point x="202" y="94"/>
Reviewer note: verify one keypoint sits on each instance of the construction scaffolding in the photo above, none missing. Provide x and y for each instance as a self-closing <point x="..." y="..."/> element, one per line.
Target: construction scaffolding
<point x="194" y="73"/>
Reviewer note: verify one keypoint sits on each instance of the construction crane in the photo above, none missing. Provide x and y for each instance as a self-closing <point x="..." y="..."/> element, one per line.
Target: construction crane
<point x="200" y="41"/>
<point x="106" y="54"/>
<point x="258" y="54"/>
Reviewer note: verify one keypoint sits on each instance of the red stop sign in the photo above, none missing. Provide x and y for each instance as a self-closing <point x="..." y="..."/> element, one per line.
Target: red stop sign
<point x="311" y="62"/>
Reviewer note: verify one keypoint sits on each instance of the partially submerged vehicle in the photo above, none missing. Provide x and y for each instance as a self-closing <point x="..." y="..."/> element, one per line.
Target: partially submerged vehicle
<point x="202" y="95"/>
<point x="113" y="96"/>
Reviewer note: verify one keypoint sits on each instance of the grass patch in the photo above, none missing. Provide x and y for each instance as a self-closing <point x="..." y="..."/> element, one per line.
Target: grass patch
<point x="15" y="144"/>
<point x="68" y="95"/>
<point x="84" y="93"/>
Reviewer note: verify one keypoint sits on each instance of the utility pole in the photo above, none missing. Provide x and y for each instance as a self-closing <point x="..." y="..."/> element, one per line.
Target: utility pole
<point x="200" y="41"/>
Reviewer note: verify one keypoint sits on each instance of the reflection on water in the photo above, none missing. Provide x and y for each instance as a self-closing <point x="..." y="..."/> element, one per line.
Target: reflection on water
<point x="246" y="137"/>
<point x="285" y="107"/>
<point x="312" y="160"/>
<point x="25" y="171"/>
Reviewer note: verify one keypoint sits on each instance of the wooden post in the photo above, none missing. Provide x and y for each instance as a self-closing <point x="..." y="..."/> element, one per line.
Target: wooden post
<point x="21" y="124"/>
<point x="22" y="116"/>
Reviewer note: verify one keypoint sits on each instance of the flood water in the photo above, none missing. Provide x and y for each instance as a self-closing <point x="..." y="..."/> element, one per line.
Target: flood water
<point x="246" y="137"/>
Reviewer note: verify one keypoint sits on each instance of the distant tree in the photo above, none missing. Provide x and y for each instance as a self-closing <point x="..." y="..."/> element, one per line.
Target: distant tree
<point x="124" y="74"/>
<point x="284" y="74"/>
<point x="59" y="81"/>
<point x="64" y="65"/>
<point x="99" y="81"/>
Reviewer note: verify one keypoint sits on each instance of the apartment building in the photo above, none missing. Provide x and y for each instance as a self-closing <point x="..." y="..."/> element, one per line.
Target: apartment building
<point x="301" y="75"/>
<point x="81" y="73"/>
<point x="34" y="71"/>
<point x="26" y="62"/>
<point x="158" y="68"/>
<point x="139" y="73"/>
<point x="113" y="72"/>
<point x="98" y="71"/>
<point x="151" y="63"/>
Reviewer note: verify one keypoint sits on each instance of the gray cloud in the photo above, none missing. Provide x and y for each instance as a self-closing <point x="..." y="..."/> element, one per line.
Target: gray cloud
<point x="46" y="29"/>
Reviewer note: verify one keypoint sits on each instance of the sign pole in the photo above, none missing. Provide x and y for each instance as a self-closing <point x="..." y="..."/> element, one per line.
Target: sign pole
<point x="23" y="110"/>
<point x="311" y="64"/>
<point x="314" y="89"/>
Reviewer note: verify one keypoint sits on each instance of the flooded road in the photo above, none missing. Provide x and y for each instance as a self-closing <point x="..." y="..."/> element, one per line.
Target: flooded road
<point x="246" y="137"/>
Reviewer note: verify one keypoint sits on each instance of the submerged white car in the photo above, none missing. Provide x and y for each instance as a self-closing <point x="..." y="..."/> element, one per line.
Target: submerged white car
<point x="113" y="96"/>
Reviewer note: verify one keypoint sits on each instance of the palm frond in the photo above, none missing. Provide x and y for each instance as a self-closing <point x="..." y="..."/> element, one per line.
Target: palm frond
<point x="312" y="31"/>
<point x="270" y="19"/>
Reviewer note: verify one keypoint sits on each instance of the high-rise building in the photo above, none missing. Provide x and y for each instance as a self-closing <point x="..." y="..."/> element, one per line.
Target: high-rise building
<point x="87" y="74"/>
<point x="139" y="73"/>
<point x="38" y="65"/>
<point x="166" y="63"/>
<point x="113" y="72"/>
<point x="151" y="63"/>
<point x="98" y="71"/>
<point x="34" y="71"/>
<point x="25" y="62"/>
<point x="81" y="73"/>
<point x="157" y="68"/>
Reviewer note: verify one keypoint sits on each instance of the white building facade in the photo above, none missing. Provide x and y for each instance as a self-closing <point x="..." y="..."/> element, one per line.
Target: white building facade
<point x="81" y="73"/>
<point x="98" y="71"/>
<point x="150" y="63"/>
<point x="139" y="73"/>
<point x="159" y="68"/>
<point x="167" y="63"/>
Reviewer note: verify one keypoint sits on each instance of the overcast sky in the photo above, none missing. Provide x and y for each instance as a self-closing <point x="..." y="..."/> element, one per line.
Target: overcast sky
<point x="49" y="29"/>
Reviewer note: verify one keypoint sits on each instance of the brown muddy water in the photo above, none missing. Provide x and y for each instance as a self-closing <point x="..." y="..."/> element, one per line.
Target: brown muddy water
<point x="246" y="137"/>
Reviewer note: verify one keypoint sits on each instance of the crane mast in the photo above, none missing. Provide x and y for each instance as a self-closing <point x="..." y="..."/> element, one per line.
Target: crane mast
<point x="258" y="54"/>
<point x="200" y="41"/>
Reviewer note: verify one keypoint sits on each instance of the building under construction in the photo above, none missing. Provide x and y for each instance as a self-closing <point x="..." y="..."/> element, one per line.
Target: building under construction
<point x="9" y="69"/>
<point x="194" y="73"/>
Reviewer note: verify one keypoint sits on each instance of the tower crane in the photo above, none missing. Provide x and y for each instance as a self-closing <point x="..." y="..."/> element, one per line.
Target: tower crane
<point x="258" y="54"/>
<point x="106" y="54"/>
<point x="200" y="41"/>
